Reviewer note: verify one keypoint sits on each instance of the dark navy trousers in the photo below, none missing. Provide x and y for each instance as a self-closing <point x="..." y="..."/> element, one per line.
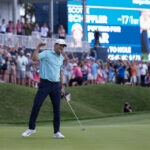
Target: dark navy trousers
<point x="53" y="89"/>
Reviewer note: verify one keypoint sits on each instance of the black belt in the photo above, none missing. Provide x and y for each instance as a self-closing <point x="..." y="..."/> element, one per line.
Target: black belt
<point x="45" y="80"/>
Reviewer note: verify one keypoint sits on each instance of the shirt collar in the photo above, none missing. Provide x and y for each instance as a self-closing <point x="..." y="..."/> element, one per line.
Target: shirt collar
<point x="53" y="51"/>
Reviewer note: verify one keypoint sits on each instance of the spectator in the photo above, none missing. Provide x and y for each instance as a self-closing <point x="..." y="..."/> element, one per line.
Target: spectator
<point x="78" y="75"/>
<point x="100" y="75"/>
<point x="44" y="30"/>
<point x="84" y="70"/>
<point x="127" y="77"/>
<point x="36" y="79"/>
<point x="94" y="71"/>
<point x="12" y="72"/>
<point x="37" y="28"/>
<point x="138" y="73"/>
<point x="121" y="73"/>
<point x="143" y="72"/>
<point x="5" y="68"/>
<point x="133" y="73"/>
<point x="21" y="68"/>
<point x="29" y="75"/>
<point x="111" y="72"/>
<point x="89" y="64"/>
<point x="19" y="27"/>
<point x="67" y="71"/>
<point x="94" y="54"/>
<point x="27" y="28"/>
<point x="10" y="27"/>
<point x="3" y="26"/>
<point x="87" y="55"/>
<point x="61" y="32"/>
<point x="148" y="79"/>
<point x="23" y="48"/>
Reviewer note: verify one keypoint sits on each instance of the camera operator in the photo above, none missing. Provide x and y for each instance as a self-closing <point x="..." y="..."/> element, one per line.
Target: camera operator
<point x="127" y="108"/>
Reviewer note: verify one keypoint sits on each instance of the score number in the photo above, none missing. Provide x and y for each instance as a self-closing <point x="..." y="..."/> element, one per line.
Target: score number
<point x="125" y="19"/>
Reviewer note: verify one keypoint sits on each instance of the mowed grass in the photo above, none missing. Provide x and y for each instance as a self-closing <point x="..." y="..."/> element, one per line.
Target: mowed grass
<point x="97" y="106"/>
<point x="129" y="132"/>
<point x="93" y="101"/>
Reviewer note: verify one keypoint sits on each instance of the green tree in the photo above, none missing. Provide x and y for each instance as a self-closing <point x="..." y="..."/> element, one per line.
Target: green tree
<point x="29" y="11"/>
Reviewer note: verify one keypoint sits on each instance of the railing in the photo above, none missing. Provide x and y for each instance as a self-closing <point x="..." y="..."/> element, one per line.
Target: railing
<point x="32" y="41"/>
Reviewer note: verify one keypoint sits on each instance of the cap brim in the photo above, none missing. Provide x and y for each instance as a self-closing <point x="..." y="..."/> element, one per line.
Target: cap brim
<point x="62" y="44"/>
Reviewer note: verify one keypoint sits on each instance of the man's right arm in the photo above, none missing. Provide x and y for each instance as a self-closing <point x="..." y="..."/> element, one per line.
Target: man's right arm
<point x="36" y="52"/>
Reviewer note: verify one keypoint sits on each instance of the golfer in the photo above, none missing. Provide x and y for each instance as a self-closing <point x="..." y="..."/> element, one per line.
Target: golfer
<point x="51" y="64"/>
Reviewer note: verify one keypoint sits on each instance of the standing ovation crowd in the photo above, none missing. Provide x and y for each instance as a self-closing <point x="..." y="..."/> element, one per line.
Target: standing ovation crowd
<point x="17" y="67"/>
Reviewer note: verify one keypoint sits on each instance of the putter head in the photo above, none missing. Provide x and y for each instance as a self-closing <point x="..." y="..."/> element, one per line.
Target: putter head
<point x="66" y="96"/>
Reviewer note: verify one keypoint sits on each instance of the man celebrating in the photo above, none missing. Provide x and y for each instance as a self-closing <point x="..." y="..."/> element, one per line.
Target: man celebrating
<point x="51" y="64"/>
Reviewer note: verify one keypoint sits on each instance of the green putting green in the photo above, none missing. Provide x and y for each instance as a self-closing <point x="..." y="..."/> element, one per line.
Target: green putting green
<point x="129" y="132"/>
<point x="110" y="130"/>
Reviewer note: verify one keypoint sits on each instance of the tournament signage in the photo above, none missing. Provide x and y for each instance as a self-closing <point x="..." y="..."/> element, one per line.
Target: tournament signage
<point x="119" y="27"/>
<point x="140" y="4"/>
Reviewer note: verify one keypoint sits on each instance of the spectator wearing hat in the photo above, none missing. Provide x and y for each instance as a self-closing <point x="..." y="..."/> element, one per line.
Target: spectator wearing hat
<point x="78" y="74"/>
<point x="22" y="61"/>
<point x="127" y="108"/>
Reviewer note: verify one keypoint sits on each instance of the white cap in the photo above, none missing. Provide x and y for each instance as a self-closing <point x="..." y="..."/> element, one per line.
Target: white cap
<point x="22" y="51"/>
<point x="61" y="42"/>
<point x="28" y="54"/>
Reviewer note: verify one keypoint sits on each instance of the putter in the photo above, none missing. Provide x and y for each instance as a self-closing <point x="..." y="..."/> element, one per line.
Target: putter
<point x="67" y="97"/>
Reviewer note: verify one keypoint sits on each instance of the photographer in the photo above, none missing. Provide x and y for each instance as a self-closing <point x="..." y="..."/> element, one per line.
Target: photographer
<point x="127" y="108"/>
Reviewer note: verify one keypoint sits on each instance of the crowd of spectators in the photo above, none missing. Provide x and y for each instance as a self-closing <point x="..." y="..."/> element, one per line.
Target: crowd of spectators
<point x="17" y="67"/>
<point x="90" y="70"/>
<point x="26" y="28"/>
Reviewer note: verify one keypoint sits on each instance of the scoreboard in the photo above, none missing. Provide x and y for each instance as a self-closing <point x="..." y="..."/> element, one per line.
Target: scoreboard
<point x="118" y="24"/>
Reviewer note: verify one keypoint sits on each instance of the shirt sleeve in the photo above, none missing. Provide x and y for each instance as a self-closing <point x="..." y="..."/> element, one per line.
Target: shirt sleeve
<point x="42" y="55"/>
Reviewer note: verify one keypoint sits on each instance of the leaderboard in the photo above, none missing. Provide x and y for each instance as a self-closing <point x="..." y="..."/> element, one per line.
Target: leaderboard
<point x="119" y="27"/>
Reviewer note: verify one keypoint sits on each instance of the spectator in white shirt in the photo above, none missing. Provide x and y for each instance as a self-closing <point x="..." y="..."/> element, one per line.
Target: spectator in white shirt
<point x="143" y="72"/>
<point x="61" y="32"/>
<point x="3" y="26"/>
<point x="22" y="61"/>
<point x="44" y="30"/>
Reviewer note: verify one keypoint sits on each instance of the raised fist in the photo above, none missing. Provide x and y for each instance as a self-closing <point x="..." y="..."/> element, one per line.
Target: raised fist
<point x="42" y="44"/>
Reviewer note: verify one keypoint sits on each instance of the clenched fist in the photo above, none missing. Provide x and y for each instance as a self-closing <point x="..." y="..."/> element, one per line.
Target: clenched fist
<point x="42" y="44"/>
